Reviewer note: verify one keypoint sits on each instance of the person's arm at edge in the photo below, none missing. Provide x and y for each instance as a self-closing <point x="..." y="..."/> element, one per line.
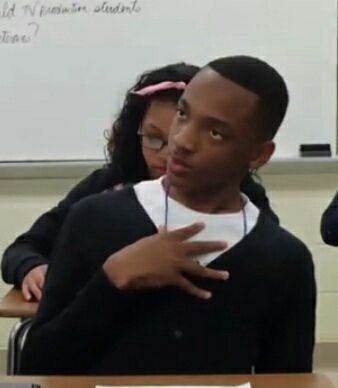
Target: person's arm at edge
<point x="329" y="223"/>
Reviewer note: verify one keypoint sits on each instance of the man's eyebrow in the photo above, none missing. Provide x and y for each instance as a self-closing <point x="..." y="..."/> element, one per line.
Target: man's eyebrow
<point x="225" y="125"/>
<point x="222" y="123"/>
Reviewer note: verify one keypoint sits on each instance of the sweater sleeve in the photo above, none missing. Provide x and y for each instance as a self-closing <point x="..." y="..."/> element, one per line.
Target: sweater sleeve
<point x="257" y="195"/>
<point x="288" y="346"/>
<point x="34" y="247"/>
<point x="329" y="223"/>
<point x="80" y="309"/>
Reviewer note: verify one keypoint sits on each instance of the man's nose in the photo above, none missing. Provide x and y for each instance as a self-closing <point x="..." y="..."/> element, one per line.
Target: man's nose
<point x="185" y="138"/>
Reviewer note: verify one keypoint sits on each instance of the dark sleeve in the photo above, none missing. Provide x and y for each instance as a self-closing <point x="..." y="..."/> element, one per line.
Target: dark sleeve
<point x="34" y="247"/>
<point x="329" y="223"/>
<point x="288" y="346"/>
<point x="80" y="310"/>
<point x="257" y="194"/>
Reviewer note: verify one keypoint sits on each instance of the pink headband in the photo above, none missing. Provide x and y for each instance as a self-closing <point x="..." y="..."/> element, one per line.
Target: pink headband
<point x="166" y="85"/>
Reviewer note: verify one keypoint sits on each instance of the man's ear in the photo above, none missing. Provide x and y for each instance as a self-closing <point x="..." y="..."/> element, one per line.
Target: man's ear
<point x="262" y="154"/>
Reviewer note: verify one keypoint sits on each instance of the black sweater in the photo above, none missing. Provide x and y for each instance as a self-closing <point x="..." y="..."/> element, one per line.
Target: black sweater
<point x="263" y="316"/>
<point x="34" y="247"/>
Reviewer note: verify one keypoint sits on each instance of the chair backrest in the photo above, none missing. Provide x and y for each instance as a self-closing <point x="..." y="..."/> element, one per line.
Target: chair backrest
<point x="16" y="342"/>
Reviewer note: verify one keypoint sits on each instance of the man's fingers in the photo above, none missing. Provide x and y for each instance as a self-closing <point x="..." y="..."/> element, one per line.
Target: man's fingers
<point x="44" y="268"/>
<point x="195" y="269"/>
<point x="195" y="248"/>
<point x="190" y="288"/>
<point x="40" y="280"/>
<point x="185" y="233"/>
<point x="35" y="290"/>
<point x="25" y="292"/>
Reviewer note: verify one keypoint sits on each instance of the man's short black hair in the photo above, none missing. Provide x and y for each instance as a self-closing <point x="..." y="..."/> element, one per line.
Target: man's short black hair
<point x="263" y="80"/>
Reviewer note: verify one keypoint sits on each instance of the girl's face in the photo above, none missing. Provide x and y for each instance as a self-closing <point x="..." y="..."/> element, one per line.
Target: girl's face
<point x="154" y="133"/>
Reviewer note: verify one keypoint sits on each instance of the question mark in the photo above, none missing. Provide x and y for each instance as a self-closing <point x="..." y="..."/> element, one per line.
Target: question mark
<point x="37" y="28"/>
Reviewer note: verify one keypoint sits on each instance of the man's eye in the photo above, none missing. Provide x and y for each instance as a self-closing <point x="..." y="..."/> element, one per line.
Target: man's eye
<point x="180" y="112"/>
<point x="216" y="135"/>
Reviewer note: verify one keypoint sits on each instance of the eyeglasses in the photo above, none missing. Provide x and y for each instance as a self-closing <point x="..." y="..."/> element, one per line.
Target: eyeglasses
<point x="152" y="142"/>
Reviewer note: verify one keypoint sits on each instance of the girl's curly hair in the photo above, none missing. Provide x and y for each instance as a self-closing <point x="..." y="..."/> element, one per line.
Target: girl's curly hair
<point x="123" y="148"/>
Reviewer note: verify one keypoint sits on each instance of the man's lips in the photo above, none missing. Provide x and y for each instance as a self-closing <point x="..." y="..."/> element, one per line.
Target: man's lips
<point x="177" y="165"/>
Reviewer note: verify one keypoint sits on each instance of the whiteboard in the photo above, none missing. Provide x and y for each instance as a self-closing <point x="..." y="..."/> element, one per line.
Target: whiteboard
<point x="66" y="64"/>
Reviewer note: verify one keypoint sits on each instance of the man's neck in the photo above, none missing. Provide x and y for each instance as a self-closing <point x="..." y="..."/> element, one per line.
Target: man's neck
<point x="211" y="201"/>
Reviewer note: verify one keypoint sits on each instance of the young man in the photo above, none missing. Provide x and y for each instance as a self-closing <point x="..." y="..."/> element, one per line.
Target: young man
<point x="162" y="303"/>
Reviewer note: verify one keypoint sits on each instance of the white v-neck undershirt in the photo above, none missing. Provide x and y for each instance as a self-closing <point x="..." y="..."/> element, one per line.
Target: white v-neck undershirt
<point x="227" y="227"/>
